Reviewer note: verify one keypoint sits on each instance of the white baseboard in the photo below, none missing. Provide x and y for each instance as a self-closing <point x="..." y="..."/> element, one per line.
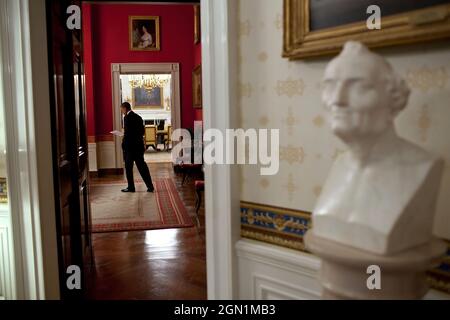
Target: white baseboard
<point x="92" y="148"/>
<point x="106" y="155"/>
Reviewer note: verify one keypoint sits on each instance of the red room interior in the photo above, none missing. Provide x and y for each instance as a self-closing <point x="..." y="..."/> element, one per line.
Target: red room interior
<point x="105" y="30"/>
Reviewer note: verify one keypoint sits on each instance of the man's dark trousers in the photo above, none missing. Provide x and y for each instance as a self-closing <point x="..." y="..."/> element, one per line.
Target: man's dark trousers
<point x="138" y="158"/>
<point x="133" y="147"/>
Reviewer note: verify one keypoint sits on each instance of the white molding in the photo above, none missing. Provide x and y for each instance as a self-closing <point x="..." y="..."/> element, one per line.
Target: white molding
<point x="28" y="145"/>
<point x="276" y="256"/>
<point x="271" y="272"/>
<point x="219" y="73"/>
<point x="14" y="92"/>
<point x="256" y="255"/>
<point x="125" y="68"/>
<point x="267" y="288"/>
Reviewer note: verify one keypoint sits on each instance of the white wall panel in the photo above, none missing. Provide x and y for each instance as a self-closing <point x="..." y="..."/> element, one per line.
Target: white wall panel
<point x="268" y="272"/>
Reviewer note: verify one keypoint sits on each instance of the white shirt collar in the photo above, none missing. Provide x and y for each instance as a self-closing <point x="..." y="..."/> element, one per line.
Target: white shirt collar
<point x="129" y="112"/>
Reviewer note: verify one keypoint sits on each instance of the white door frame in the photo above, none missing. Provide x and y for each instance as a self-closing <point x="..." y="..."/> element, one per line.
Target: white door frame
<point x="29" y="151"/>
<point x="222" y="188"/>
<point x="126" y="68"/>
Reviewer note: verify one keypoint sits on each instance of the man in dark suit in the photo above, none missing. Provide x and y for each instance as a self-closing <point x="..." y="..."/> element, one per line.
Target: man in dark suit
<point x="133" y="148"/>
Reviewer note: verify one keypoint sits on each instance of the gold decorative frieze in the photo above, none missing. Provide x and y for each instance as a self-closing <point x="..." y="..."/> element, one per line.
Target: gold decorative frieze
<point x="280" y="226"/>
<point x="282" y="242"/>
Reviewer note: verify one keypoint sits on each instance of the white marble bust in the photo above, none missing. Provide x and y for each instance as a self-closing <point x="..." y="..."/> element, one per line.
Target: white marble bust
<point x="380" y="195"/>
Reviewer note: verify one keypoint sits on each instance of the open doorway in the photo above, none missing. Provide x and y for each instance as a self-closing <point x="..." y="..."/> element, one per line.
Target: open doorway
<point x="147" y="245"/>
<point x="66" y="156"/>
<point x="147" y="242"/>
<point x="151" y="96"/>
<point x="153" y="90"/>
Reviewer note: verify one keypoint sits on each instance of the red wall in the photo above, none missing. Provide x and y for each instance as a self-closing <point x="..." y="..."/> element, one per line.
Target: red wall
<point x="87" y="45"/>
<point x="110" y="44"/>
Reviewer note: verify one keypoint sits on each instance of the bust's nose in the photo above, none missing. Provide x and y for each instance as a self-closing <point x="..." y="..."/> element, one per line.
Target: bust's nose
<point x="339" y="96"/>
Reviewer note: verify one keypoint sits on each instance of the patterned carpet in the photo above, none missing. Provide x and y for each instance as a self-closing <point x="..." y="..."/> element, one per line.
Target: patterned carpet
<point x="113" y="210"/>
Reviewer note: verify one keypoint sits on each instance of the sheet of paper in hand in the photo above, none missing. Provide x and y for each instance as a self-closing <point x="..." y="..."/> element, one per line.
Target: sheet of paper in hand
<point x="117" y="133"/>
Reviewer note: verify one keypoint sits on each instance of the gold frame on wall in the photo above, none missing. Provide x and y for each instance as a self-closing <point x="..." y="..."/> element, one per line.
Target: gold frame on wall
<point x="197" y="87"/>
<point x="159" y="107"/>
<point x="196" y="24"/>
<point x="409" y="27"/>
<point x="157" y="31"/>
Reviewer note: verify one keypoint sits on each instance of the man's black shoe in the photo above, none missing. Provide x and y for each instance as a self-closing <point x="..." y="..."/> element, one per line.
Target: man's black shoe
<point x="128" y="190"/>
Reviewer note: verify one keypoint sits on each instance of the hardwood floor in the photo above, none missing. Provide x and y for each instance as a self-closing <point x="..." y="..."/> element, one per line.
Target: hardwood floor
<point x="165" y="264"/>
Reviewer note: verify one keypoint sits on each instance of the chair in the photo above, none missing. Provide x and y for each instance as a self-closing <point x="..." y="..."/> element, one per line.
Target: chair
<point x="168" y="140"/>
<point x="150" y="137"/>
<point x="189" y="170"/>
<point x="199" y="188"/>
<point x="160" y="125"/>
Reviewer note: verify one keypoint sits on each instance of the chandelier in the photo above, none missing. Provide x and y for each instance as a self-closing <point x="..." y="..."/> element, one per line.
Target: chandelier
<point x="147" y="82"/>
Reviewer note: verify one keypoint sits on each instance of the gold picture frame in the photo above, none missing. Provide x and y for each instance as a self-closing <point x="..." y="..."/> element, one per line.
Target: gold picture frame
<point x="197" y="31"/>
<point x="299" y="41"/>
<point x="141" y="101"/>
<point x="197" y="87"/>
<point x="144" y="33"/>
<point x="3" y="191"/>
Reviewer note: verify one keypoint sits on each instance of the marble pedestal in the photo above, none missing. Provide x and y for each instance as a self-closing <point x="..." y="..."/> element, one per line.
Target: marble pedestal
<point x="343" y="273"/>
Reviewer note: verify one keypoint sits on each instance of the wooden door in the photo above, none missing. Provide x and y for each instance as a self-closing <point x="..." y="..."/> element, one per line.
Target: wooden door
<point x="70" y="149"/>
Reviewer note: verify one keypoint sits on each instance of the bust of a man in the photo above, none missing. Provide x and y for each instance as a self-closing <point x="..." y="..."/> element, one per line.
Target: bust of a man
<point x="380" y="195"/>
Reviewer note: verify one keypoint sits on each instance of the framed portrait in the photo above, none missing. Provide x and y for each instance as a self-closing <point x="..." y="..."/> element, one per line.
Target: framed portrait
<point x="197" y="32"/>
<point x="144" y="33"/>
<point x="144" y="99"/>
<point x="321" y="27"/>
<point x="197" y="87"/>
<point x="3" y="191"/>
